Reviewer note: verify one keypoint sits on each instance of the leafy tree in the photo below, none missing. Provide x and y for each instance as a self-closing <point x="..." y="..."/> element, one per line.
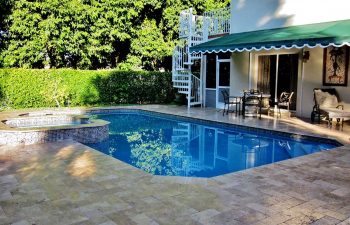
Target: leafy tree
<point x="92" y="34"/>
<point x="78" y="34"/>
<point x="5" y="11"/>
<point x="149" y="45"/>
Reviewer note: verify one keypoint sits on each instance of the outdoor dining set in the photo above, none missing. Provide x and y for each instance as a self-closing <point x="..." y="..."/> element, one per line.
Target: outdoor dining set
<point x="255" y="101"/>
<point x="327" y="104"/>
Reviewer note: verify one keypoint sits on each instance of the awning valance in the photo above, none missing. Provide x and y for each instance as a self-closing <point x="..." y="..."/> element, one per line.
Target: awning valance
<point x="313" y="35"/>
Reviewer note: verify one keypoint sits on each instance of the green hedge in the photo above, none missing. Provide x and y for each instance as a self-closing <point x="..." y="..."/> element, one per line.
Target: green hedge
<point x="21" y="88"/>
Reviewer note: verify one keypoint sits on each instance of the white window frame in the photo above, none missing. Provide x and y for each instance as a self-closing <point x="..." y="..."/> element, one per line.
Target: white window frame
<point x="218" y="104"/>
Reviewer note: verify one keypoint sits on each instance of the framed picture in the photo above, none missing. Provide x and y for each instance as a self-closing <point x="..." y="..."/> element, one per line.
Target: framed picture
<point x="335" y="66"/>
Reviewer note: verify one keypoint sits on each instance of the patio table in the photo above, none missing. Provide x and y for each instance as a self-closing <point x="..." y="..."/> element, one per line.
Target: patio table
<point x="238" y="102"/>
<point x="259" y="96"/>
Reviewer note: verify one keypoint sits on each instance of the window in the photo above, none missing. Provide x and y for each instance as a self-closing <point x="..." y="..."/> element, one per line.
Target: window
<point x="224" y="74"/>
<point x="211" y="71"/>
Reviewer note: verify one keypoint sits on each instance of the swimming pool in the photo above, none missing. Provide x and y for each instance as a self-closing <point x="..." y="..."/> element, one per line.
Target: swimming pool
<point x="173" y="146"/>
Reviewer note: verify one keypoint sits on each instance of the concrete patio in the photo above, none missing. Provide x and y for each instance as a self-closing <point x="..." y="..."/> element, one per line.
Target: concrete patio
<point x="70" y="183"/>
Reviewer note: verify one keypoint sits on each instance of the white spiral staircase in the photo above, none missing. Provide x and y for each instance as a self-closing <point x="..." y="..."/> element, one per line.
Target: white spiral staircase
<point x="182" y="161"/>
<point x="183" y="79"/>
<point x="195" y="30"/>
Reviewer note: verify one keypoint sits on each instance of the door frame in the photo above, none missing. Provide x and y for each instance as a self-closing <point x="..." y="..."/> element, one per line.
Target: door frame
<point x="220" y="105"/>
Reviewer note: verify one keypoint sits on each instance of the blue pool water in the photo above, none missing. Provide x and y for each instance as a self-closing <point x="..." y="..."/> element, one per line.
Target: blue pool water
<point x="163" y="145"/>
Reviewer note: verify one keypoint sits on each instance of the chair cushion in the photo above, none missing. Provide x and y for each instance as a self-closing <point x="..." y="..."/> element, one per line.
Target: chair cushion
<point x="283" y="103"/>
<point x="346" y="105"/>
<point x="326" y="100"/>
<point x="337" y="113"/>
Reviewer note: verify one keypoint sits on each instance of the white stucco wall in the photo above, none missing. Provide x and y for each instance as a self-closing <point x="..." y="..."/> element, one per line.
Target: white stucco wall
<point x="248" y="15"/>
<point x="239" y="78"/>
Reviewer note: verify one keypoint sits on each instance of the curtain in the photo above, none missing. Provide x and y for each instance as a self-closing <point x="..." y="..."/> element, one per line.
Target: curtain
<point x="264" y="64"/>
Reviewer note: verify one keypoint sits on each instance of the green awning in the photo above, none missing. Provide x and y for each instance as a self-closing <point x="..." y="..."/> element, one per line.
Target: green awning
<point x="313" y="35"/>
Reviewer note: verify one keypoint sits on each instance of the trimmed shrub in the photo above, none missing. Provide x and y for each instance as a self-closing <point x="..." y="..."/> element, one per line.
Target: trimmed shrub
<point x="22" y="88"/>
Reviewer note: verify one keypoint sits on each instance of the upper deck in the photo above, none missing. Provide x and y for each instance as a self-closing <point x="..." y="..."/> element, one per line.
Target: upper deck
<point x="200" y="28"/>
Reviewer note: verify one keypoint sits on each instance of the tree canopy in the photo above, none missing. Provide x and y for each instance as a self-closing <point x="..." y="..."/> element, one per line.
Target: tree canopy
<point x="92" y="34"/>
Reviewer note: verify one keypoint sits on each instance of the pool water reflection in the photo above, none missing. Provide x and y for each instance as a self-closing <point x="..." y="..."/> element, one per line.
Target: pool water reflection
<point x="171" y="147"/>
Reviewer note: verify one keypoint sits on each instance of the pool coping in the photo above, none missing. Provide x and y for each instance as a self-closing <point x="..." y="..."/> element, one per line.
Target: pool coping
<point x="158" y="110"/>
<point x="281" y="132"/>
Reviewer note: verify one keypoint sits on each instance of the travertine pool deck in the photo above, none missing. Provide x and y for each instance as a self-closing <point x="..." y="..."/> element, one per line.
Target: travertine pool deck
<point x="70" y="183"/>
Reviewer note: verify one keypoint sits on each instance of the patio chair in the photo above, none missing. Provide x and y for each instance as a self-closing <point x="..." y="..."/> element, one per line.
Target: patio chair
<point x="329" y="106"/>
<point x="285" y="100"/>
<point x="230" y="101"/>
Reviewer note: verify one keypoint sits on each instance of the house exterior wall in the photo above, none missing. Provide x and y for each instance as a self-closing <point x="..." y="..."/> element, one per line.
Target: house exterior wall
<point x="210" y="98"/>
<point x="249" y="15"/>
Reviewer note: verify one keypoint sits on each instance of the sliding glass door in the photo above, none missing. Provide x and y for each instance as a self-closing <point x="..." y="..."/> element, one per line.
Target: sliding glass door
<point x="277" y="74"/>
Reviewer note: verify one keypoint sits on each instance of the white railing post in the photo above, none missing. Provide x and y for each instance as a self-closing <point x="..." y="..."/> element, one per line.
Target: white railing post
<point x="189" y="95"/>
<point x="189" y="38"/>
<point x="205" y="28"/>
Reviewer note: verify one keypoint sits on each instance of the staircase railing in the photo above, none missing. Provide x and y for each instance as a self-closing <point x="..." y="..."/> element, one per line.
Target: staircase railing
<point x="180" y="57"/>
<point x="195" y="90"/>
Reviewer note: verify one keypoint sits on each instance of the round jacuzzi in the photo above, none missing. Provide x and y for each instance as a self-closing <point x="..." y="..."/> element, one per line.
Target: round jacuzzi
<point x="47" y="126"/>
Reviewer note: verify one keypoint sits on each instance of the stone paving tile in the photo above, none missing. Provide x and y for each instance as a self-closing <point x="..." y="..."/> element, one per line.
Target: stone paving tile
<point x="263" y="209"/>
<point x="108" y="223"/>
<point x="203" y="216"/>
<point x="252" y="217"/>
<point x="326" y="220"/>
<point x="143" y="219"/>
<point x="301" y="219"/>
<point x="330" y="213"/>
<point x="184" y="221"/>
<point x="274" y="220"/>
<point x="341" y="192"/>
<point x="227" y="217"/>
<point x="345" y="222"/>
<point x="22" y="222"/>
<point x="120" y="218"/>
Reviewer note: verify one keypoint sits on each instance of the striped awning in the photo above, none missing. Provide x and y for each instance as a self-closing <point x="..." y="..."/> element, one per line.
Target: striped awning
<point x="323" y="35"/>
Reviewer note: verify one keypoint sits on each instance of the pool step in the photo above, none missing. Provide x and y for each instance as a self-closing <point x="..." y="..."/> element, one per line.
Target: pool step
<point x="182" y="139"/>
<point x="300" y="150"/>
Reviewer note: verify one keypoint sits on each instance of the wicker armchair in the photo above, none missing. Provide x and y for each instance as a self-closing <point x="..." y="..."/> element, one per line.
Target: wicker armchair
<point x="328" y="105"/>
<point x="285" y="100"/>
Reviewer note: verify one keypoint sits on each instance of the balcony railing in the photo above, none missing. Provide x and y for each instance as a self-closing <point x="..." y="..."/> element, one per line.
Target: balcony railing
<point x="190" y="25"/>
<point x="217" y="22"/>
<point x="199" y="28"/>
